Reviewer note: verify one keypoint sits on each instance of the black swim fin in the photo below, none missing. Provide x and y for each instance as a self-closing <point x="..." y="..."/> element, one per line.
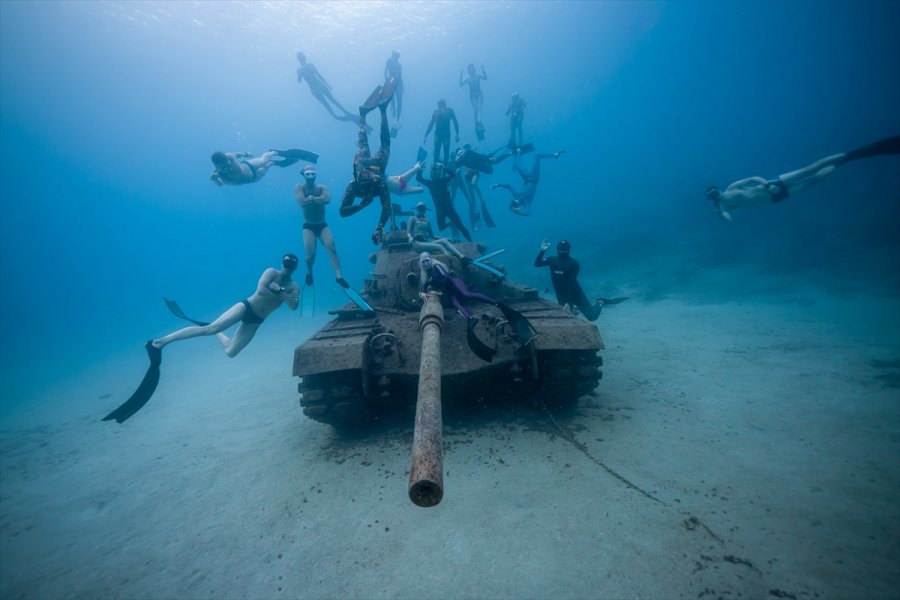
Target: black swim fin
<point x="889" y="145"/>
<point x="489" y="221"/>
<point x="387" y="92"/>
<point x="479" y="131"/>
<point x="176" y="310"/>
<point x="421" y="155"/>
<point x="295" y="154"/>
<point x="144" y="392"/>
<point x="478" y="348"/>
<point x="519" y="323"/>
<point x="371" y="102"/>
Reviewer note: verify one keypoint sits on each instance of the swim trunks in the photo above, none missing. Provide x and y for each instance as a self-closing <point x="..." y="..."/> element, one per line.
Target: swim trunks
<point x="782" y="192"/>
<point x="403" y="184"/>
<point x="252" y="170"/>
<point x="316" y="228"/>
<point x="250" y="317"/>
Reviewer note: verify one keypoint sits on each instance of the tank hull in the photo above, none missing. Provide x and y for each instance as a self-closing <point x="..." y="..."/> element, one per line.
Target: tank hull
<point x="362" y="365"/>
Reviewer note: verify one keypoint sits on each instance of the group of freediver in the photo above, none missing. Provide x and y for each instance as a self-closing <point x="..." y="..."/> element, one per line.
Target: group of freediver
<point x="448" y="174"/>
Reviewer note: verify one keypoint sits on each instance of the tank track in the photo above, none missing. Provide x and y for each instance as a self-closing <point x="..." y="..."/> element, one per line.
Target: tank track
<point x="567" y="375"/>
<point x="335" y="398"/>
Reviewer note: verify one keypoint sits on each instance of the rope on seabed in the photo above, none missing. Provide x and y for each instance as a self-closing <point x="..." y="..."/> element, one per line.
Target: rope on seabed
<point x="570" y="437"/>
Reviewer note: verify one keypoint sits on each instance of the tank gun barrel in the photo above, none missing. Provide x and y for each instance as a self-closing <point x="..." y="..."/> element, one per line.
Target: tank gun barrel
<point x="426" y="475"/>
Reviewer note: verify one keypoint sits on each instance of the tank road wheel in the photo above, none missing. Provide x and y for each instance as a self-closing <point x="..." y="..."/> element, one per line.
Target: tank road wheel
<point x="567" y="375"/>
<point x="333" y="398"/>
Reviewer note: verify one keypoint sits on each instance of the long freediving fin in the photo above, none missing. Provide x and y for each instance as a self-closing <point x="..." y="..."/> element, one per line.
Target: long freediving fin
<point x="518" y="322"/>
<point x="145" y="390"/>
<point x="354" y="296"/>
<point x="296" y="154"/>
<point x="176" y="310"/>
<point x="387" y="92"/>
<point x="489" y="221"/>
<point x="372" y="101"/>
<point x="478" y="348"/>
<point x="421" y="155"/>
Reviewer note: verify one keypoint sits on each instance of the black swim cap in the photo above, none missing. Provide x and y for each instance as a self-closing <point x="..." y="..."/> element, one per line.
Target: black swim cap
<point x="289" y="261"/>
<point x="563" y="247"/>
<point x="219" y="158"/>
<point x="712" y="192"/>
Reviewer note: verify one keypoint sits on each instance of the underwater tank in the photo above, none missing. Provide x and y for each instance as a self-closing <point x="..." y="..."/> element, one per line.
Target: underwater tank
<point x="365" y="364"/>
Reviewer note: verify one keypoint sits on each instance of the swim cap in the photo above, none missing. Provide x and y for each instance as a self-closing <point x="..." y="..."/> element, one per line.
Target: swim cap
<point x="563" y="247"/>
<point x="219" y="158"/>
<point x="309" y="170"/>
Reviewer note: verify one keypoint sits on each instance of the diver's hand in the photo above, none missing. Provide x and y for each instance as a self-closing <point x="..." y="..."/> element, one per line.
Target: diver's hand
<point x="545" y="245"/>
<point x="423" y="296"/>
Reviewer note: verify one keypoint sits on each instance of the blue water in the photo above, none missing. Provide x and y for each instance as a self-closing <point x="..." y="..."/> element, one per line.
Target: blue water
<point x="110" y="111"/>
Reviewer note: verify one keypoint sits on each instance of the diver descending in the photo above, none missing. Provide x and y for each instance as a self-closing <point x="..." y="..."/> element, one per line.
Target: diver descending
<point x="516" y="114"/>
<point x="369" y="171"/>
<point x="523" y="198"/>
<point x="439" y="187"/>
<point x="321" y="90"/>
<point x="755" y="191"/>
<point x="441" y="119"/>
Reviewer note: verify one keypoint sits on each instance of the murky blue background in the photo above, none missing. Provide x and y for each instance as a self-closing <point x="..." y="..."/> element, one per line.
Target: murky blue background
<point x="110" y="111"/>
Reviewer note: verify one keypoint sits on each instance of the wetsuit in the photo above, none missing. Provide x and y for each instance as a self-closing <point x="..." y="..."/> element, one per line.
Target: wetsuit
<point x="369" y="179"/>
<point x="524" y="197"/>
<point x="516" y="112"/>
<point x="448" y="283"/>
<point x="443" y="201"/>
<point x="564" y="277"/>
<point x="440" y="121"/>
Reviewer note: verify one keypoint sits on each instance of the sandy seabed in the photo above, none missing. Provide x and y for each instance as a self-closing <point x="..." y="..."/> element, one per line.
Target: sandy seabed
<point x="732" y="450"/>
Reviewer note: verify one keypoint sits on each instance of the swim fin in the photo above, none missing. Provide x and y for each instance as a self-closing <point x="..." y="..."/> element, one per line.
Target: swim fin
<point x="295" y="154"/>
<point x="478" y="348"/>
<point x="145" y="390"/>
<point x="355" y="297"/>
<point x="371" y="102"/>
<point x="519" y="323"/>
<point x="176" y="310"/>
<point x="421" y="155"/>
<point x="481" y="262"/>
<point x="387" y="92"/>
<point x="889" y="145"/>
<point x="302" y="290"/>
<point x="479" y="131"/>
<point x="487" y="216"/>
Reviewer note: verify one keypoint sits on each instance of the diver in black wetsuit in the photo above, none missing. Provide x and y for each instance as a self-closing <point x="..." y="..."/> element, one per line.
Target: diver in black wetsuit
<point x="439" y="187"/>
<point x="564" y="276"/>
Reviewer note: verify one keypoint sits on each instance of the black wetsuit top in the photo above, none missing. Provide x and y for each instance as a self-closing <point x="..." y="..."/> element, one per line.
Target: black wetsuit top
<point x="564" y="277"/>
<point x="443" y="201"/>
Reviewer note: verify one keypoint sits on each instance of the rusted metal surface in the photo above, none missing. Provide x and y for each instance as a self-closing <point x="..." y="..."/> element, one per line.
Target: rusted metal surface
<point x="360" y="366"/>
<point x="426" y="475"/>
